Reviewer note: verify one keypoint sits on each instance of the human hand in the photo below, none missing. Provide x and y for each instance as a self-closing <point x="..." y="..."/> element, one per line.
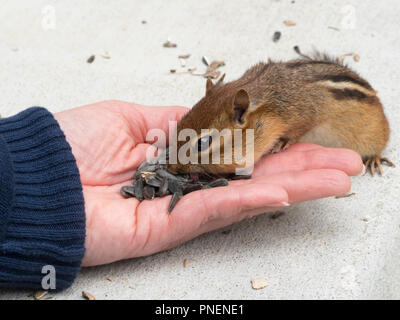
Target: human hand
<point x="108" y="140"/>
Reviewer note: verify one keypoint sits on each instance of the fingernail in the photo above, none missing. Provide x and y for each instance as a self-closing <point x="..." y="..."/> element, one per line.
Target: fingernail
<point x="280" y="204"/>
<point x="364" y="170"/>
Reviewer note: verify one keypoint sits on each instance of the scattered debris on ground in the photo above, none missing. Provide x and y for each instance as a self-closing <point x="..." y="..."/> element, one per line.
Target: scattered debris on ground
<point x="110" y="278"/>
<point x="211" y="71"/>
<point x="277" y="35"/>
<point x="289" y="23"/>
<point x="345" y="195"/>
<point x="297" y="50"/>
<point x="334" y="28"/>
<point x="88" y="296"/>
<point x="91" y="59"/>
<point x="277" y="214"/>
<point x="341" y="58"/>
<point x="106" y="55"/>
<point x="185" y="263"/>
<point x="205" y="61"/>
<point x="169" y="44"/>
<point x="144" y="21"/>
<point x="355" y="56"/>
<point x="184" y="56"/>
<point x="258" y="283"/>
<point x="40" y="294"/>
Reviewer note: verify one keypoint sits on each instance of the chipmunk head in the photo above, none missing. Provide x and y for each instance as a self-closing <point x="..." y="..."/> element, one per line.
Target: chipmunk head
<point x="215" y="135"/>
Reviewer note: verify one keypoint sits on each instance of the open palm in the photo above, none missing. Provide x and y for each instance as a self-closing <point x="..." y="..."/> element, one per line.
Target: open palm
<point x="108" y="140"/>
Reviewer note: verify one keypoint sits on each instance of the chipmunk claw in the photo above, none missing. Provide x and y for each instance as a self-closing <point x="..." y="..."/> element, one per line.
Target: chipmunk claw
<point x="281" y="145"/>
<point x="376" y="162"/>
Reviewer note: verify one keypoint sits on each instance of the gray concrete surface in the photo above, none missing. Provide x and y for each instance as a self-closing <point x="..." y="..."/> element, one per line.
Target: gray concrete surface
<point x="326" y="249"/>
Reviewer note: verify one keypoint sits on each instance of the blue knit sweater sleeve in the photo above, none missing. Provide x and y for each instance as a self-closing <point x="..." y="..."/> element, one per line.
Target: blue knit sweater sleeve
<point x="42" y="214"/>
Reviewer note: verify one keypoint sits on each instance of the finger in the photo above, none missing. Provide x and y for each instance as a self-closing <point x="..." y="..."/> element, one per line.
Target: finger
<point x="299" y="186"/>
<point x="142" y="152"/>
<point x="224" y="202"/>
<point x="311" y="184"/>
<point x="345" y="160"/>
<point x="145" y="118"/>
<point x="129" y="162"/>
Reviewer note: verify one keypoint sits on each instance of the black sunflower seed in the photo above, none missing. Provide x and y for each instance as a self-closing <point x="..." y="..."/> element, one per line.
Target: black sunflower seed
<point x="165" y="174"/>
<point x="153" y="181"/>
<point x="91" y="59"/>
<point x="173" y="202"/>
<point x="174" y="187"/>
<point x="218" y="183"/>
<point x="139" y="189"/>
<point x="128" y="191"/>
<point x="150" y="166"/>
<point x="148" y="192"/>
<point x="163" y="190"/>
<point x="277" y="36"/>
<point x="192" y="187"/>
<point x="239" y="177"/>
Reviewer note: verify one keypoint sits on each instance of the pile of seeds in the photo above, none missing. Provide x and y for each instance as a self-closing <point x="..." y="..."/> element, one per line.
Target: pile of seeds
<point x="153" y="180"/>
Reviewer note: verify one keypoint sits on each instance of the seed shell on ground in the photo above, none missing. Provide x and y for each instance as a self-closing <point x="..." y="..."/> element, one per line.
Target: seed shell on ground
<point x="40" y="294"/>
<point x="277" y="36"/>
<point x="258" y="283"/>
<point x="88" y="296"/>
<point x="91" y="59"/>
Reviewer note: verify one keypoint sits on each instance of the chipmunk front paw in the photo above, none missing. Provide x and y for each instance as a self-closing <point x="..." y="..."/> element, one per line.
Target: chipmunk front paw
<point x="281" y="144"/>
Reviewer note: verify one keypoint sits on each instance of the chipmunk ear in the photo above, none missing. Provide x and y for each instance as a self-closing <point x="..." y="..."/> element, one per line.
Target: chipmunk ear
<point x="209" y="86"/>
<point x="220" y="82"/>
<point x="241" y="104"/>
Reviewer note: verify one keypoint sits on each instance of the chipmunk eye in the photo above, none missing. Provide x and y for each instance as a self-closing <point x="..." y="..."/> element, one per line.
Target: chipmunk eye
<point x="204" y="143"/>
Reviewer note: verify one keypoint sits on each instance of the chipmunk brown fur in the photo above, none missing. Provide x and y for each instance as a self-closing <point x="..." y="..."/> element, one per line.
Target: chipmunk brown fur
<point x="316" y="100"/>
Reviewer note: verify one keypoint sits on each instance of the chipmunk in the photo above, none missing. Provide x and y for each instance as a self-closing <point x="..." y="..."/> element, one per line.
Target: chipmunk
<point x="317" y="100"/>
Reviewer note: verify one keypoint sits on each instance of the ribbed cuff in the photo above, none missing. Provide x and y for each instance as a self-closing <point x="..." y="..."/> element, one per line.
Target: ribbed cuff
<point x="42" y="217"/>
